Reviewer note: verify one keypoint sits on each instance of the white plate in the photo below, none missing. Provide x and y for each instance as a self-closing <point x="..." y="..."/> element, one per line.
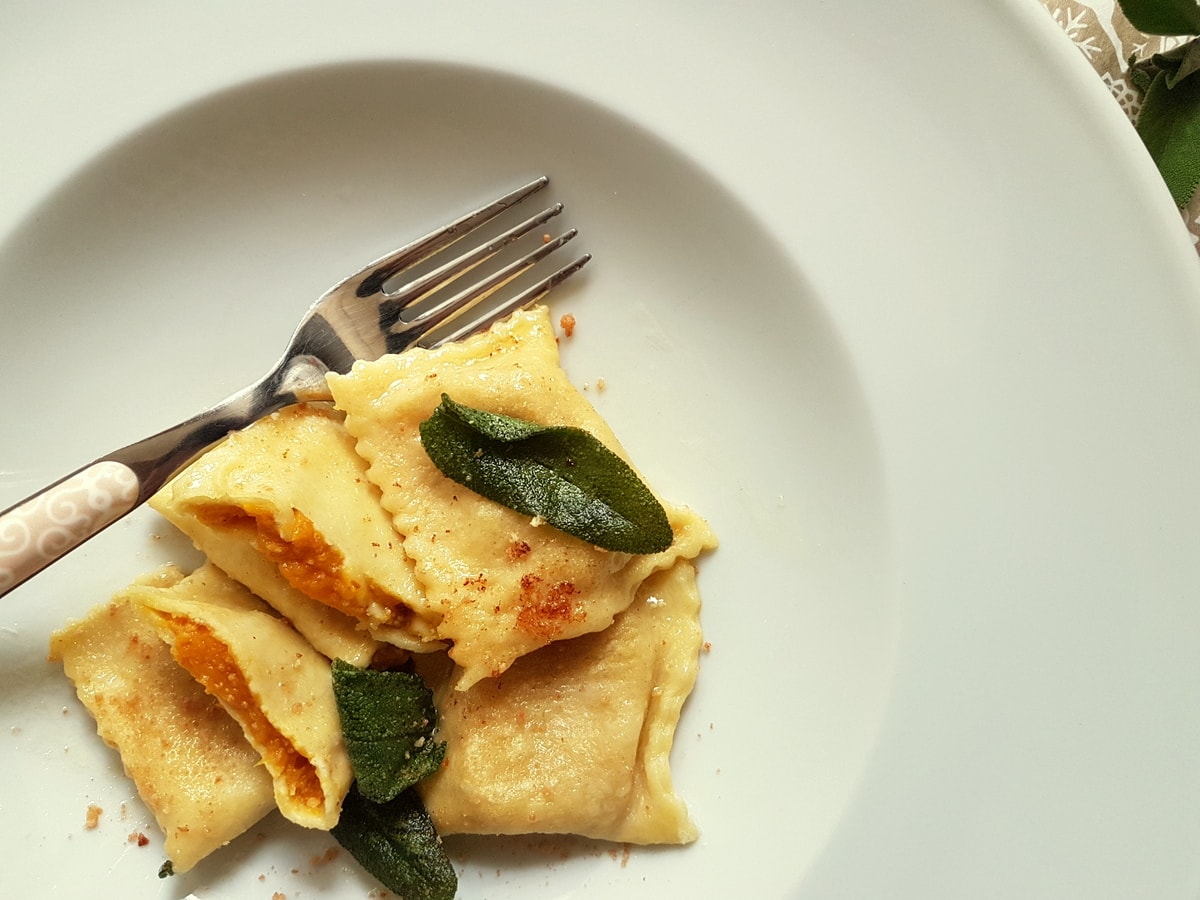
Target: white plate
<point x="888" y="291"/>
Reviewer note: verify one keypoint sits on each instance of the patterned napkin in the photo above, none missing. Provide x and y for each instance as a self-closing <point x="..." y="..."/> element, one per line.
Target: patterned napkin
<point x="1105" y="37"/>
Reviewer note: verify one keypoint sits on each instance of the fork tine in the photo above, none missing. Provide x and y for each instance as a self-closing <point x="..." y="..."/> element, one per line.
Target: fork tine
<point x="372" y="277"/>
<point x="530" y="295"/>
<point x="392" y="308"/>
<point x="428" y="319"/>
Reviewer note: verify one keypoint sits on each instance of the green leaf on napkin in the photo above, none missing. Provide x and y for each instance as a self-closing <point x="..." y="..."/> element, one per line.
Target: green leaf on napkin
<point x="561" y="474"/>
<point x="1177" y="63"/>
<point x="1170" y="17"/>
<point x="1169" y="125"/>
<point x="1169" y="120"/>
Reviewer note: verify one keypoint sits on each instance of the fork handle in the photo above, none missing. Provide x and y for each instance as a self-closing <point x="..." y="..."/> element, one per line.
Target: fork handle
<point x="51" y="523"/>
<point x="59" y="518"/>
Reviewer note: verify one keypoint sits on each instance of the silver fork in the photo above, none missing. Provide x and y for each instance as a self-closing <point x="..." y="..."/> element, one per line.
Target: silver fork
<point x="358" y="318"/>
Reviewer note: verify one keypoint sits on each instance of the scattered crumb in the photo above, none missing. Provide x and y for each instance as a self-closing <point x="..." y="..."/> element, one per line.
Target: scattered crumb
<point x="327" y="857"/>
<point x="600" y="384"/>
<point x="93" y="816"/>
<point x="279" y="895"/>
<point x="546" y="238"/>
<point x="708" y="647"/>
<point x="621" y="855"/>
<point x="137" y="837"/>
<point x="567" y="323"/>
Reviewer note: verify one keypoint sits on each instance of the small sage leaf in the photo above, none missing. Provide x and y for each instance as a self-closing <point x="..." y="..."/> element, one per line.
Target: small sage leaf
<point x="1170" y="17"/>
<point x="1141" y="73"/>
<point x="1178" y="63"/>
<point x="561" y="474"/>
<point x="388" y="719"/>
<point x="398" y="844"/>
<point x="1189" y="63"/>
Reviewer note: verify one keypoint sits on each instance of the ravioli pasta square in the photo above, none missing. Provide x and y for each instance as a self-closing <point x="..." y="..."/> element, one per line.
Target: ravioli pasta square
<point x="193" y="768"/>
<point x="503" y="584"/>
<point x="576" y="737"/>
<point x="268" y="678"/>
<point x="285" y="507"/>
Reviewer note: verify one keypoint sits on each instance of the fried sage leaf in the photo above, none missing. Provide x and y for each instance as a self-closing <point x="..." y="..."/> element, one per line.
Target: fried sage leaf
<point x="561" y="474"/>
<point x="388" y="719"/>
<point x="397" y="843"/>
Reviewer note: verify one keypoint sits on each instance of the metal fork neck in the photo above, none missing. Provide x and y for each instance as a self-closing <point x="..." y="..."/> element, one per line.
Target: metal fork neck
<point x="157" y="459"/>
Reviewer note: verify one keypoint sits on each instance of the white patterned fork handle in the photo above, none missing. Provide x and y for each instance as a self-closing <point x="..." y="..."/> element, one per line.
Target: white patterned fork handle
<point x="358" y="318"/>
<point x="60" y="517"/>
<point x="40" y="530"/>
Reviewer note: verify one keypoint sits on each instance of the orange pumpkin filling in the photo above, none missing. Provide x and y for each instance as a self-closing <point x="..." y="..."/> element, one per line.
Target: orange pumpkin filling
<point x="207" y="659"/>
<point x="304" y="559"/>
